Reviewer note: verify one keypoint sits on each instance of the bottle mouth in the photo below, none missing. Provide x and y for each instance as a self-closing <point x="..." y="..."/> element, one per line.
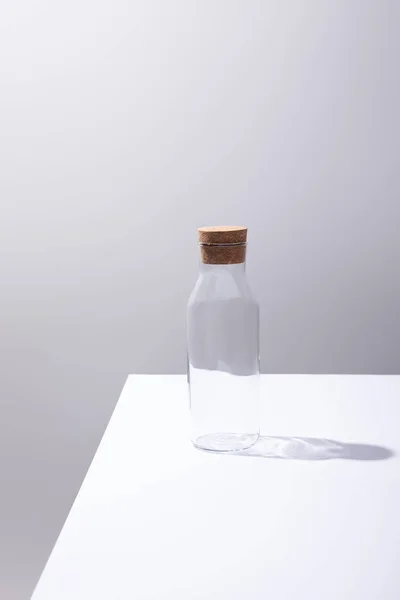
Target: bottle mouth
<point x="233" y="245"/>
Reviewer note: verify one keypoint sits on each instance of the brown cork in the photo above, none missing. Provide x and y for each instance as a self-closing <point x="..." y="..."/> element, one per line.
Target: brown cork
<point x="223" y="245"/>
<point x="224" y="234"/>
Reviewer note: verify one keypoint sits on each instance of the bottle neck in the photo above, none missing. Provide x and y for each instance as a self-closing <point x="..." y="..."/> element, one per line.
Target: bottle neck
<point x="224" y="281"/>
<point x="235" y="270"/>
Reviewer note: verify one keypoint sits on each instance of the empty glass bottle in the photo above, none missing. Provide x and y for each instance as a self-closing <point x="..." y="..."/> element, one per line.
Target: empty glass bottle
<point x="223" y="345"/>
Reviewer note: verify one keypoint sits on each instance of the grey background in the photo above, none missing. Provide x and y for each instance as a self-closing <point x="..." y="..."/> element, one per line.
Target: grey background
<point x="125" y="125"/>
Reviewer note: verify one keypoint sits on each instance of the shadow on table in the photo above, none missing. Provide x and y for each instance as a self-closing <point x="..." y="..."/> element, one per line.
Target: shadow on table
<point x="303" y="448"/>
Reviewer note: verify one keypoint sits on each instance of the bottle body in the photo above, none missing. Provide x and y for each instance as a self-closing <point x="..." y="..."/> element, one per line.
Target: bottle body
<point x="223" y="359"/>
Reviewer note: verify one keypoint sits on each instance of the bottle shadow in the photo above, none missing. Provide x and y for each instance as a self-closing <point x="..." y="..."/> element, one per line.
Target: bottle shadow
<point x="305" y="448"/>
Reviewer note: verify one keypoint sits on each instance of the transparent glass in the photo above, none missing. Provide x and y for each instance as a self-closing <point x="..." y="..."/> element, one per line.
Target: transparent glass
<point x="223" y="359"/>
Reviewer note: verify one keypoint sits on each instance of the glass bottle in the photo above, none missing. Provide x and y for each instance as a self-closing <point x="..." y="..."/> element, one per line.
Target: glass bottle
<point x="223" y="345"/>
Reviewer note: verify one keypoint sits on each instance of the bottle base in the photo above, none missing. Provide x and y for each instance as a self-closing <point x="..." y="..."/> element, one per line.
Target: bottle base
<point x="225" y="442"/>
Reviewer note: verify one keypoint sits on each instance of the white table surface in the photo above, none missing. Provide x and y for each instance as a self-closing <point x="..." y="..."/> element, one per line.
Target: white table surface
<point x="156" y="519"/>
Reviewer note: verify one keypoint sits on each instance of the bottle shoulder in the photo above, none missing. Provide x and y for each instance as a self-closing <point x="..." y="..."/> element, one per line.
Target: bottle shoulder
<point x="209" y="288"/>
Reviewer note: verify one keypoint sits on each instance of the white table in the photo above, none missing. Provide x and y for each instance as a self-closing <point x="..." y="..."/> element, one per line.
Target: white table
<point x="156" y="519"/>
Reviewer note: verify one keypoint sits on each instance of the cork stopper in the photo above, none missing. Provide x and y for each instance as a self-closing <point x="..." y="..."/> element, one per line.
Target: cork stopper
<point x="223" y="245"/>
